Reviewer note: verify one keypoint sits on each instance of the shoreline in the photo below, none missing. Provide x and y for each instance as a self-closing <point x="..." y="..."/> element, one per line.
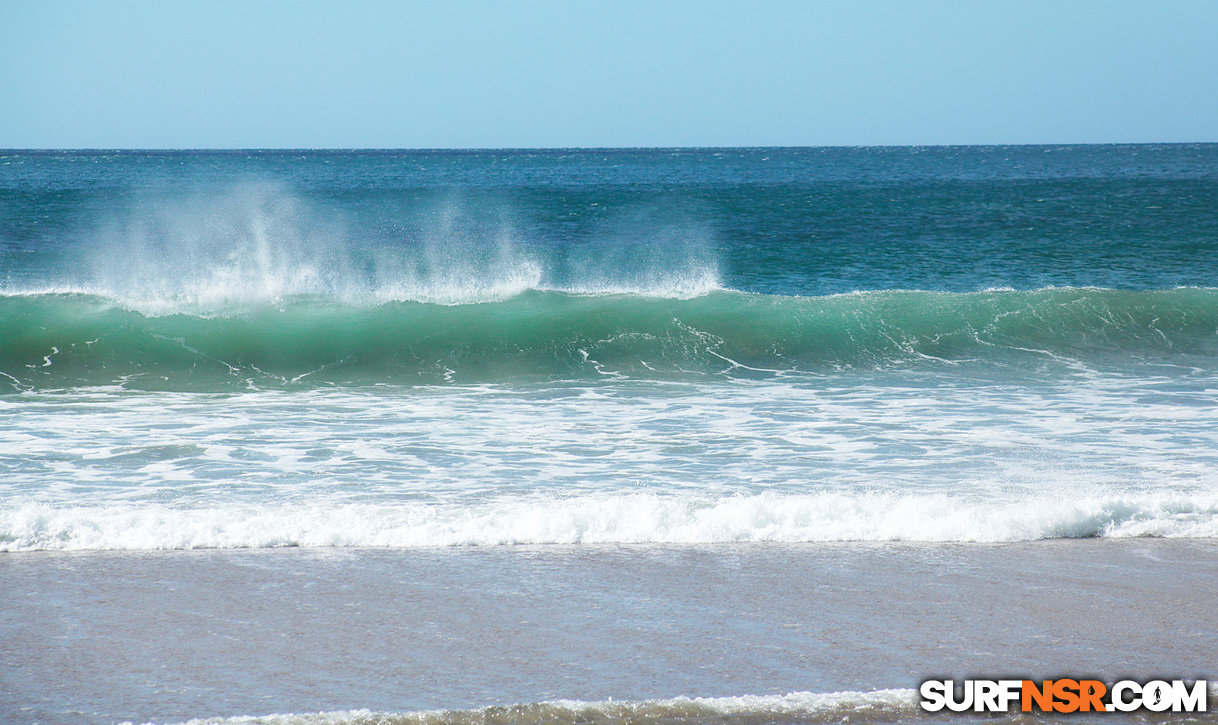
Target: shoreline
<point x="160" y="636"/>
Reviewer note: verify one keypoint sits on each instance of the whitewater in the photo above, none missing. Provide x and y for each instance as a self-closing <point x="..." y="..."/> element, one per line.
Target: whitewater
<point x="618" y="462"/>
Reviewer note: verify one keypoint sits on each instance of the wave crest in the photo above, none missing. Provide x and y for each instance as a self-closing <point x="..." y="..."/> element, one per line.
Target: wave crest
<point x="69" y="340"/>
<point x="610" y="519"/>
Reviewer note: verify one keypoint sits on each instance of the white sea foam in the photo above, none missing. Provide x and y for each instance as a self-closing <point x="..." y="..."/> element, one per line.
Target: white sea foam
<point x="604" y="519"/>
<point x="833" y="705"/>
<point x="659" y="462"/>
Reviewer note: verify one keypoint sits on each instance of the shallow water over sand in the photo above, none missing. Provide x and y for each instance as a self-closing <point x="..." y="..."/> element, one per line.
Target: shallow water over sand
<point x="163" y="636"/>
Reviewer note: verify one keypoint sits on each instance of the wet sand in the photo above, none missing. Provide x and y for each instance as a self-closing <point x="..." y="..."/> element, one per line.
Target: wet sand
<point x="167" y="636"/>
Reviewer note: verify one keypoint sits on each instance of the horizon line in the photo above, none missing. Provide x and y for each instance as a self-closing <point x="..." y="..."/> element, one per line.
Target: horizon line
<point x="340" y="149"/>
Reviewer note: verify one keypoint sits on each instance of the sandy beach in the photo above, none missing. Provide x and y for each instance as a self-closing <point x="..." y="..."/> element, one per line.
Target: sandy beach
<point x="165" y="636"/>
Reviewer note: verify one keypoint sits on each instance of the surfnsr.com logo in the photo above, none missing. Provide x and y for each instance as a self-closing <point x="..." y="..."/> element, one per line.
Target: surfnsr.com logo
<point x="1063" y="695"/>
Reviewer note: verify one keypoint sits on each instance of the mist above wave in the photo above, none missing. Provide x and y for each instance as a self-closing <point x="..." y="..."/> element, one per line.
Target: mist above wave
<point x="258" y="244"/>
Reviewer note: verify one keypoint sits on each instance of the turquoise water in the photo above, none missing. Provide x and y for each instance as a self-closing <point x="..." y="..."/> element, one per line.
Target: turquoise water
<point x="64" y="340"/>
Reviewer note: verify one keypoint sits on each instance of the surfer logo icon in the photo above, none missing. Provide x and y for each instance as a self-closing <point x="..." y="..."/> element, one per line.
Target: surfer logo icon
<point x="1158" y="695"/>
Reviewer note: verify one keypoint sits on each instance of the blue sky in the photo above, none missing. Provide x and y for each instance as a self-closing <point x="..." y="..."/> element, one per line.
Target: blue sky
<point x="535" y="73"/>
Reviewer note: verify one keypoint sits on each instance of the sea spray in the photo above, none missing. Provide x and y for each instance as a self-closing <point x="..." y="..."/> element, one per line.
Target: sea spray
<point x="259" y="244"/>
<point x="256" y="243"/>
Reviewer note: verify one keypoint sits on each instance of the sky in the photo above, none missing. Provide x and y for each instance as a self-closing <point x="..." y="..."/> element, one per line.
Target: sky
<point x="541" y="73"/>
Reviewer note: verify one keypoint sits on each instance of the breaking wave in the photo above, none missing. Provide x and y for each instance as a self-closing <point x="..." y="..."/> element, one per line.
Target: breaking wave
<point x="609" y="519"/>
<point x="70" y="339"/>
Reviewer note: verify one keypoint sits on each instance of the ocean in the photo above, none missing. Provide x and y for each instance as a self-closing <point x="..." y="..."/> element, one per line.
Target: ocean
<point x="602" y="436"/>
